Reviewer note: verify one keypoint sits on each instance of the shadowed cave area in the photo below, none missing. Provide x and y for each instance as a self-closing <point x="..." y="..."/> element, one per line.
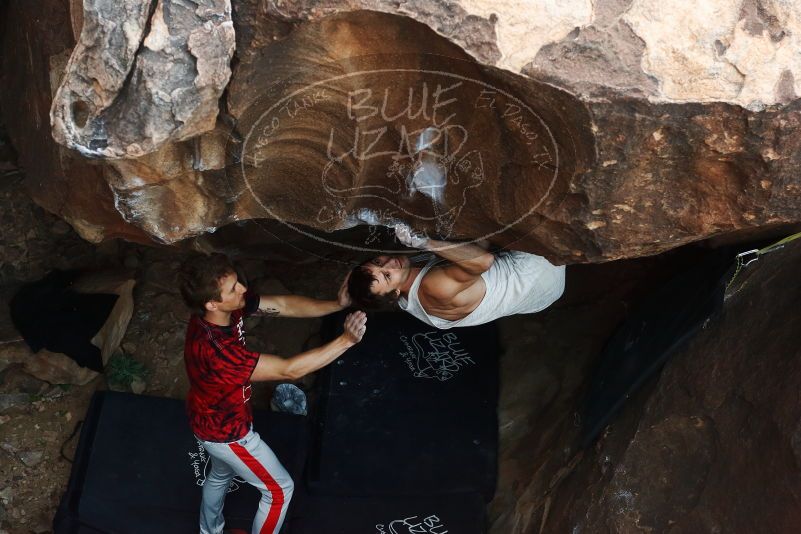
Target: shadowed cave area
<point x="658" y="393"/>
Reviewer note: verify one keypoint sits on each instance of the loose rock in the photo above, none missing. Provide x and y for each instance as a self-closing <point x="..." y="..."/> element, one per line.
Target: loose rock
<point x="31" y="458"/>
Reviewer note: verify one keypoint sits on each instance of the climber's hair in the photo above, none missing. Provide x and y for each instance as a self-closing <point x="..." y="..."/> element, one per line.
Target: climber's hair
<point x="359" y="283"/>
<point x="199" y="279"/>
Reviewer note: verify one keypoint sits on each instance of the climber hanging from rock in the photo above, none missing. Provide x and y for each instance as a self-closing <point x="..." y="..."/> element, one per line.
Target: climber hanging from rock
<point x="461" y="284"/>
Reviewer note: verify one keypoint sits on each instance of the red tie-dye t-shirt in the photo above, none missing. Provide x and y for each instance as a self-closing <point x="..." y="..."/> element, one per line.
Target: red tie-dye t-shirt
<point x="219" y="367"/>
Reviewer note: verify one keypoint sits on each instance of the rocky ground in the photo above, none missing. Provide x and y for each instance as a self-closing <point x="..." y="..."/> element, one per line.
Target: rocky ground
<point x="37" y="418"/>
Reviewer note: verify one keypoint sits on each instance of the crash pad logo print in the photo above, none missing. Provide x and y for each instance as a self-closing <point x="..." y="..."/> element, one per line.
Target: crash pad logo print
<point x="413" y="525"/>
<point x="200" y="462"/>
<point x="435" y="355"/>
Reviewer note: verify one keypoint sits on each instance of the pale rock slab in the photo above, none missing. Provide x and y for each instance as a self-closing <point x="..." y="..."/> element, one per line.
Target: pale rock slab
<point x="525" y="26"/>
<point x="735" y="52"/>
<point x="138" y="79"/>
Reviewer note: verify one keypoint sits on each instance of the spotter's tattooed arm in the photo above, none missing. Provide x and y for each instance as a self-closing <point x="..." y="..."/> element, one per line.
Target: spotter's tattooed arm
<point x="297" y="306"/>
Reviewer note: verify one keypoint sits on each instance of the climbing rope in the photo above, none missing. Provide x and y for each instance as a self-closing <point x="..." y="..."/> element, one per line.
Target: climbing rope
<point x="744" y="259"/>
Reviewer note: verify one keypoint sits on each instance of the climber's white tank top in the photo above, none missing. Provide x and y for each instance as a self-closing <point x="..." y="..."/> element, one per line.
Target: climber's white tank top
<point x="516" y="283"/>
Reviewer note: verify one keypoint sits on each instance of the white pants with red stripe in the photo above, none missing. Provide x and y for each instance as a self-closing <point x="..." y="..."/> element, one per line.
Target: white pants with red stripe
<point x="253" y="461"/>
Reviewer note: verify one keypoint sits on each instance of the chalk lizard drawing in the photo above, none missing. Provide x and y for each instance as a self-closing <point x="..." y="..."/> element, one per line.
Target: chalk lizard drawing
<point x="435" y="355"/>
<point x="412" y="525"/>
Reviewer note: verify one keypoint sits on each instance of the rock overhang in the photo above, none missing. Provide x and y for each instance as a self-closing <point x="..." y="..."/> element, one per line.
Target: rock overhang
<point x="589" y="170"/>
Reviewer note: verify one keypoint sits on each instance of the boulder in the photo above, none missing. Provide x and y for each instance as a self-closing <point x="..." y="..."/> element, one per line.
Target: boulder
<point x="140" y="76"/>
<point x="570" y="132"/>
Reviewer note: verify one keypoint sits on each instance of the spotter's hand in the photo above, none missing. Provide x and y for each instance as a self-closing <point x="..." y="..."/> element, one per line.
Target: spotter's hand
<point x="343" y="297"/>
<point x="355" y="326"/>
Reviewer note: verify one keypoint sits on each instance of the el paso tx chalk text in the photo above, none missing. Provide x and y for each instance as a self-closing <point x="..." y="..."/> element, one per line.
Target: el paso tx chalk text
<point x="513" y="113"/>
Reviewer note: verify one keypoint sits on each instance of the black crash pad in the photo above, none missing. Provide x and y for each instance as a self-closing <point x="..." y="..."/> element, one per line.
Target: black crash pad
<point x="138" y="468"/>
<point x="454" y="514"/>
<point x="410" y="410"/>
<point x="656" y="328"/>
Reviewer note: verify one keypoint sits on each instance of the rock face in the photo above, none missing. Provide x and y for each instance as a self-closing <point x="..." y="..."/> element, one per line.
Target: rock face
<point x="571" y="131"/>
<point x="379" y="130"/>
<point x="138" y="78"/>
<point x="713" y="446"/>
